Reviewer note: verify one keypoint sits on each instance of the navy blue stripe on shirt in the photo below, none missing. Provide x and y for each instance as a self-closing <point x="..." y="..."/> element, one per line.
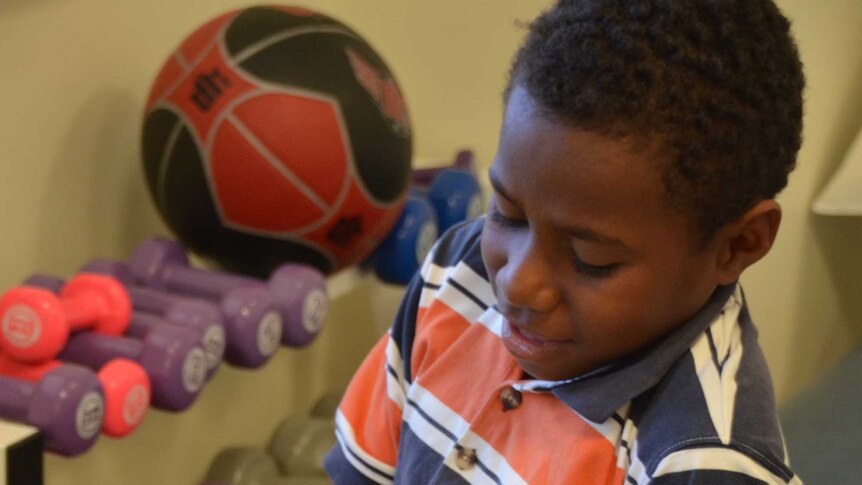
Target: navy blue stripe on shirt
<point x="468" y="294"/>
<point x="360" y="459"/>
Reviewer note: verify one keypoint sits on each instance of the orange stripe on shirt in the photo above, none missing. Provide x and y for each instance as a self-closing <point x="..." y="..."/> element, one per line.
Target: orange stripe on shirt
<point x="578" y="454"/>
<point x="437" y="328"/>
<point x="452" y="379"/>
<point x="366" y="405"/>
<point x="585" y="456"/>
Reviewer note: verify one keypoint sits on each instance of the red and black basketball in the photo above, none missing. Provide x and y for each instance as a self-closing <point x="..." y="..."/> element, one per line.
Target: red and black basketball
<point x="277" y="134"/>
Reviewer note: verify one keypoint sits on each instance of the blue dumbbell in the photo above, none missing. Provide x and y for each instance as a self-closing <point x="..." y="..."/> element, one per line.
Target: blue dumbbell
<point x="453" y="190"/>
<point x="403" y="250"/>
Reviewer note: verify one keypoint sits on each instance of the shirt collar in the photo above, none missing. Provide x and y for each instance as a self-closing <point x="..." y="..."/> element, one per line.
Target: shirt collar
<point x="597" y="394"/>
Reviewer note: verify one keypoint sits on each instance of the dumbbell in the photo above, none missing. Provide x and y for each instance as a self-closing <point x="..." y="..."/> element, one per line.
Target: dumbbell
<point x="199" y="316"/>
<point x="125" y="385"/>
<point x="252" y="326"/>
<point x="300" y="443"/>
<point x="327" y="405"/>
<point x="66" y="404"/>
<point x="243" y="466"/>
<point x="36" y="323"/>
<point x="397" y="258"/>
<point x="453" y="191"/>
<point x="169" y="354"/>
<point x="297" y="291"/>
<point x="185" y="312"/>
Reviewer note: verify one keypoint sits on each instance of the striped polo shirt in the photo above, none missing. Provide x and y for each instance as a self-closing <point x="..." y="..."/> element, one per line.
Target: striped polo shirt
<point x="440" y="400"/>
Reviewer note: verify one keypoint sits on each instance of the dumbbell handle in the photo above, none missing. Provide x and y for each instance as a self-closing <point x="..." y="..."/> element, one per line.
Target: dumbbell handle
<point x="110" y="347"/>
<point x="79" y="312"/>
<point x="14" y="396"/>
<point x="199" y="281"/>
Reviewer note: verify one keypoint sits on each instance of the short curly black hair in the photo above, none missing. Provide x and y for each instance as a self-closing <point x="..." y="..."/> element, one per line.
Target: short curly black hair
<point x="718" y="81"/>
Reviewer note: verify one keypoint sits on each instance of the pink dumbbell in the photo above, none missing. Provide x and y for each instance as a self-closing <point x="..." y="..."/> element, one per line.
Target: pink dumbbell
<point x="35" y="323"/>
<point x="125" y="384"/>
<point x="200" y="316"/>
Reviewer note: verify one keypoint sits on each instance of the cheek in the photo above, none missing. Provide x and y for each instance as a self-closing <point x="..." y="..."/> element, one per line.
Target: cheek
<point x="619" y="310"/>
<point x="493" y="251"/>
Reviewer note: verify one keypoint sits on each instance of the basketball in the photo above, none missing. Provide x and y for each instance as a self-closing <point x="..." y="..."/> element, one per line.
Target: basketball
<point x="276" y="134"/>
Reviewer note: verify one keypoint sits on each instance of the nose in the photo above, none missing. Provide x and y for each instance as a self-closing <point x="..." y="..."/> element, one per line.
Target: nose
<point x="526" y="280"/>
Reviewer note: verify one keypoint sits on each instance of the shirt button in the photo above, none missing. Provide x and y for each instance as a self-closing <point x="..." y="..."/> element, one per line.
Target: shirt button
<point x="510" y="397"/>
<point x="466" y="458"/>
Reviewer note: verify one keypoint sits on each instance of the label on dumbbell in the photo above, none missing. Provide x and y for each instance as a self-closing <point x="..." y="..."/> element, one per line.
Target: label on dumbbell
<point x="427" y="236"/>
<point x="314" y="310"/>
<point x="269" y="333"/>
<point x="136" y="403"/>
<point x="89" y="415"/>
<point x="214" y="343"/>
<point x="22" y="326"/>
<point x="194" y="370"/>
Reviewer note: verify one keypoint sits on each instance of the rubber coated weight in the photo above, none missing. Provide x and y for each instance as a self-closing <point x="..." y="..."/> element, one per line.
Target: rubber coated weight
<point x="234" y="340"/>
<point x="327" y="405"/>
<point x="300" y="443"/>
<point x="403" y="251"/>
<point x="66" y="404"/>
<point x="243" y="466"/>
<point x="35" y="323"/>
<point x="170" y="355"/>
<point x="298" y="291"/>
<point x="125" y="385"/>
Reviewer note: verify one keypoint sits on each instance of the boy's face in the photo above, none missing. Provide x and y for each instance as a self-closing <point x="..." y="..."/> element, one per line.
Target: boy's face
<point x="588" y="260"/>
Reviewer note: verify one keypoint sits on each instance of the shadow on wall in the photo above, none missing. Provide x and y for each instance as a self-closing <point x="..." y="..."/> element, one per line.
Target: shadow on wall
<point x="838" y="240"/>
<point x="95" y="202"/>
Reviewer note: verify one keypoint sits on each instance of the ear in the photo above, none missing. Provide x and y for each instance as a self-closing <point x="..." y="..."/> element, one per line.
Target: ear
<point x="747" y="239"/>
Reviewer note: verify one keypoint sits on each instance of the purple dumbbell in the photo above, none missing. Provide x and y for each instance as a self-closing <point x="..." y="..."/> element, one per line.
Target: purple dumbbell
<point x="174" y="310"/>
<point x="251" y="330"/>
<point x="171" y="356"/>
<point x="66" y="404"/>
<point x="298" y="291"/>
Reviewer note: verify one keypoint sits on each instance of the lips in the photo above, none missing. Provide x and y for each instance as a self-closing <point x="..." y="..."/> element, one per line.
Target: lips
<point x="526" y="345"/>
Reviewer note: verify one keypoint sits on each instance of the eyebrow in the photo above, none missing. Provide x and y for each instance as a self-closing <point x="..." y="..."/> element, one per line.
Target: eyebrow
<point x="576" y="232"/>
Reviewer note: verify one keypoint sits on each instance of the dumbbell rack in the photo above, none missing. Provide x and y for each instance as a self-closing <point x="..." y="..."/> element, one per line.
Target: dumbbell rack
<point x="237" y="407"/>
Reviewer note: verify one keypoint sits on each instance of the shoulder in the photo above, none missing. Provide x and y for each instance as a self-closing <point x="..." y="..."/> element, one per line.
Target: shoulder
<point x="714" y="411"/>
<point x="459" y="244"/>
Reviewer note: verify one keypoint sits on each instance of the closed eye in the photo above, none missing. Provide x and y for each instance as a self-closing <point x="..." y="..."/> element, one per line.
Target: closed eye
<point x="590" y="270"/>
<point x="503" y="221"/>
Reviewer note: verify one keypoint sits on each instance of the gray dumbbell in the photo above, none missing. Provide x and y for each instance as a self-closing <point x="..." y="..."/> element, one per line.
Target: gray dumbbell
<point x="300" y="443"/>
<point x="327" y="405"/>
<point x="242" y="465"/>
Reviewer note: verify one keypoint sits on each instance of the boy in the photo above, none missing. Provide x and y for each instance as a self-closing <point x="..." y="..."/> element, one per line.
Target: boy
<point x="590" y="329"/>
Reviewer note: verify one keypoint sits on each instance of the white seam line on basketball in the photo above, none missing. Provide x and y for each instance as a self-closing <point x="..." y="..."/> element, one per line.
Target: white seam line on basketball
<point x="181" y="60"/>
<point x="221" y="119"/>
<point x="262" y="44"/>
<point x="163" y="162"/>
<point x="190" y="66"/>
<point x="276" y="163"/>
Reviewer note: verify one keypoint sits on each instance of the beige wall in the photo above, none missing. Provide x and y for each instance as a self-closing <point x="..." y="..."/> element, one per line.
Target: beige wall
<point x="74" y="78"/>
